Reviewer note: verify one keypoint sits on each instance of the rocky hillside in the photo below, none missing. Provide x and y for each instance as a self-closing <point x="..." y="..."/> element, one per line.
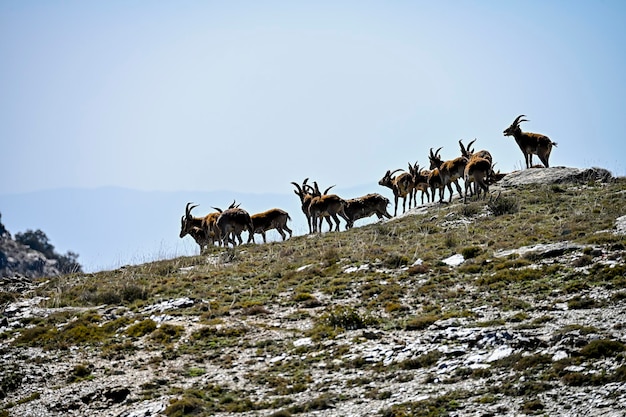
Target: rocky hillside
<point x="505" y="307"/>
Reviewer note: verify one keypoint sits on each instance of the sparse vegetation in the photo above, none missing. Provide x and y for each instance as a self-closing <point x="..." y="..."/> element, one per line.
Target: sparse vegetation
<point x="318" y="322"/>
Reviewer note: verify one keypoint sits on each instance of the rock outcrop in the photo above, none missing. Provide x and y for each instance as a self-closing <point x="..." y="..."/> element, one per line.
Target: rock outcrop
<point x="19" y="260"/>
<point x="555" y="175"/>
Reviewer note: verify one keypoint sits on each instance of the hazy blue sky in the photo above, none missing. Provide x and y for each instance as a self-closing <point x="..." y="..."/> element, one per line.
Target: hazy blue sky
<point x="250" y="95"/>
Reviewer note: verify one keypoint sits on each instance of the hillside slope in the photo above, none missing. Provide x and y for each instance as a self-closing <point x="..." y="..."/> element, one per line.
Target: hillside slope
<point x="506" y="307"/>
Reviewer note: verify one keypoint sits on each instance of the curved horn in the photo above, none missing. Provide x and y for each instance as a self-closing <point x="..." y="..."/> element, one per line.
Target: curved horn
<point x="188" y="209"/>
<point x="463" y="150"/>
<point x="233" y="204"/>
<point x="517" y="120"/>
<point x="469" y="145"/>
<point x="297" y="186"/>
<point x="217" y="208"/>
<point x="437" y="151"/>
<point x="394" y="171"/>
<point x="326" y="190"/>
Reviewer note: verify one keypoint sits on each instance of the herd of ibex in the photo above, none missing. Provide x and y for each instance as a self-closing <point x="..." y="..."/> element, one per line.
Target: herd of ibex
<point x="225" y="226"/>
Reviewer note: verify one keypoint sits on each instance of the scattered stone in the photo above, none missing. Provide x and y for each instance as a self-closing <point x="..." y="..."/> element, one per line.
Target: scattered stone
<point x="620" y="225"/>
<point x="500" y="352"/>
<point x="454" y="260"/>
<point x="169" y="305"/>
<point x="305" y="341"/>
<point x="145" y="409"/>
<point x="549" y="250"/>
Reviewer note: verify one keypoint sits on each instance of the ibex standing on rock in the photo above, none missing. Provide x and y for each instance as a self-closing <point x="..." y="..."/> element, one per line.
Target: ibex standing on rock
<point x="530" y="143"/>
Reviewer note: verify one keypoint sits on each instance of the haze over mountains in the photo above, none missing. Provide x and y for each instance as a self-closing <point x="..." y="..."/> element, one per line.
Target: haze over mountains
<point x="110" y="227"/>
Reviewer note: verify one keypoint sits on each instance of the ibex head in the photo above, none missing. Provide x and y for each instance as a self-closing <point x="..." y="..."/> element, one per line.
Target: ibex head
<point x="466" y="151"/>
<point x="300" y="191"/>
<point x="387" y="180"/>
<point x="414" y="169"/>
<point x="185" y="221"/>
<point x="435" y="159"/>
<point x="514" y="128"/>
<point x="183" y="228"/>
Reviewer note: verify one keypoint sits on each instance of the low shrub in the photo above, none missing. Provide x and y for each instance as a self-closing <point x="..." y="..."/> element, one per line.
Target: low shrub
<point x="142" y="328"/>
<point x="602" y="348"/>
<point x="421" y="322"/>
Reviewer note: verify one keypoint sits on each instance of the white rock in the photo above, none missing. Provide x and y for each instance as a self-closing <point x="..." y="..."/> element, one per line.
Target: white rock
<point x="500" y="353"/>
<point x="305" y="341"/>
<point x="454" y="260"/>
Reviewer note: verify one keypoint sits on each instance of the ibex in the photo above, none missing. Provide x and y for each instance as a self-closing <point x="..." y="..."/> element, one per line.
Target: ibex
<point x="200" y="236"/>
<point x="469" y="153"/>
<point x="366" y="206"/>
<point x="306" y="194"/>
<point x="477" y="170"/>
<point x="530" y="143"/>
<point x="435" y="183"/>
<point x="231" y="222"/>
<point x="271" y="219"/>
<point x="449" y="171"/>
<point x="420" y="182"/>
<point x="190" y="225"/>
<point x="401" y="185"/>
<point x="326" y="206"/>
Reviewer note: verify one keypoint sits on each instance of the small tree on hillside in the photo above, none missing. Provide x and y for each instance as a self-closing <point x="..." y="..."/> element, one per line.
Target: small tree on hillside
<point x="68" y="263"/>
<point x="37" y="240"/>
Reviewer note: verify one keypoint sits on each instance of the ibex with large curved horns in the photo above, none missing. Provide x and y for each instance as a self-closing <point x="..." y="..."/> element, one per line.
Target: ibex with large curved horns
<point x="468" y="152"/>
<point x="530" y="143"/>
<point x="202" y="229"/>
<point x="306" y="194"/>
<point x="326" y="206"/>
<point x="402" y="186"/>
<point x="420" y="182"/>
